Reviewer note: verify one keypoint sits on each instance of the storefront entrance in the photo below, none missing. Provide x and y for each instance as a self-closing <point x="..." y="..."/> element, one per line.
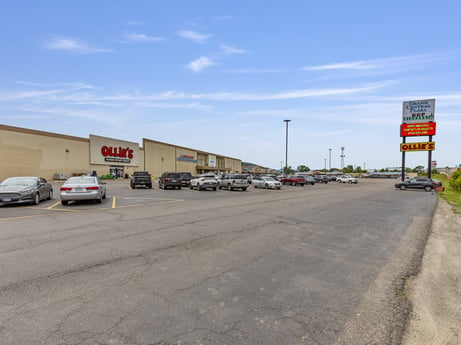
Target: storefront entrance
<point x="116" y="171"/>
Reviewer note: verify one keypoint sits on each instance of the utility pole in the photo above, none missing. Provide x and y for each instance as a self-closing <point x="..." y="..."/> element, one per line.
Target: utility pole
<point x="286" y="148"/>
<point x="342" y="157"/>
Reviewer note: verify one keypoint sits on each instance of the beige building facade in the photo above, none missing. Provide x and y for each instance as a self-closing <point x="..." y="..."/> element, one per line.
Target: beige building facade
<point x="27" y="152"/>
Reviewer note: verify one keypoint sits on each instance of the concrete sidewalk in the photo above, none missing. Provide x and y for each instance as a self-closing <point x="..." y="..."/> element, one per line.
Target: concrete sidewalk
<point x="435" y="292"/>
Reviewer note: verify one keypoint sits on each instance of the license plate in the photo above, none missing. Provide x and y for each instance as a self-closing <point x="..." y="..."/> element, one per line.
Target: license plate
<point x="6" y="200"/>
<point x="78" y="190"/>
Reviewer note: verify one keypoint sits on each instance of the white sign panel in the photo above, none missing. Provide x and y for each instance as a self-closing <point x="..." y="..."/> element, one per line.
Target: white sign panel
<point x="418" y="111"/>
<point x="110" y="151"/>
<point x="212" y="161"/>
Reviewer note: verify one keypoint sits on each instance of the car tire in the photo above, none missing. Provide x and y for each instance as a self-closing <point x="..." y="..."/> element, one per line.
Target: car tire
<point x="99" y="200"/>
<point x="350" y="181"/>
<point x="428" y="188"/>
<point x="266" y="186"/>
<point x="214" y="189"/>
<point x="244" y="189"/>
<point x="50" y="196"/>
<point x="104" y="196"/>
<point x="179" y="187"/>
<point x="229" y="187"/>
<point x="149" y="186"/>
<point x="403" y="187"/>
<point x="36" y="200"/>
<point x="64" y="202"/>
<point x="293" y="183"/>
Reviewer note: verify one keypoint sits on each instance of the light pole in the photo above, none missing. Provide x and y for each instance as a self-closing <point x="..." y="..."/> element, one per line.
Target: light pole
<point x="329" y="162"/>
<point x="325" y="165"/>
<point x="286" y="148"/>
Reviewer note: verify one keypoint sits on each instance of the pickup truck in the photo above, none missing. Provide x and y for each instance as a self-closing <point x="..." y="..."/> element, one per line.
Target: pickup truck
<point x="141" y="178"/>
<point x="294" y="180"/>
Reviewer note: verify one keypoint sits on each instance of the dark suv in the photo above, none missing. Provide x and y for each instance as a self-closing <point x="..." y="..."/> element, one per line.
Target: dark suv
<point x="186" y="177"/>
<point x="170" y="180"/>
<point x="419" y="183"/>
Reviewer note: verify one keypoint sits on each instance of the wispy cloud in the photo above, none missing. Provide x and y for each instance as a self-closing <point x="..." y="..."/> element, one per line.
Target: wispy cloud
<point x="136" y="37"/>
<point x="391" y="64"/>
<point x="74" y="46"/>
<point x="226" y="49"/>
<point x="194" y="36"/>
<point x="134" y="23"/>
<point x="200" y="64"/>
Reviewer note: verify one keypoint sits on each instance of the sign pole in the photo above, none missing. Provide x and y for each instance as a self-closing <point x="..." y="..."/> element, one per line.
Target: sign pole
<point x="429" y="161"/>
<point x="403" y="159"/>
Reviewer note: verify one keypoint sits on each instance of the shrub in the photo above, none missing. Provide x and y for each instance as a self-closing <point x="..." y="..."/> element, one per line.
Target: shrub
<point x="455" y="180"/>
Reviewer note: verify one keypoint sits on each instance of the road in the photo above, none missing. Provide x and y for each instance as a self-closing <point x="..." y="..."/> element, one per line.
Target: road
<point x="322" y="264"/>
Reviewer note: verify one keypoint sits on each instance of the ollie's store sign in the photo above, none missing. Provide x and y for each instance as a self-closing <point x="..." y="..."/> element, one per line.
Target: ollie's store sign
<point x="117" y="154"/>
<point x="112" y="151"/>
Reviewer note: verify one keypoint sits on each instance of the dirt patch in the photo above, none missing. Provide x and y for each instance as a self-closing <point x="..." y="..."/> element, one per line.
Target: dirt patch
<point x="436" y="292"/>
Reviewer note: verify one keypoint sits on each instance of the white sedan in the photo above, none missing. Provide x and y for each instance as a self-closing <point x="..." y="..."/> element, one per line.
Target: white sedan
<point x="266" y="182"/>
<point x="202" y="182"/>
<point x="346" y="179"/>
<point x="83" y="188"/>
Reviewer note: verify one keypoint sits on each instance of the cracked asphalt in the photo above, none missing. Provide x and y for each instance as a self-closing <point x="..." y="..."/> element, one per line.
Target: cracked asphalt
<point x="320" y="264"/>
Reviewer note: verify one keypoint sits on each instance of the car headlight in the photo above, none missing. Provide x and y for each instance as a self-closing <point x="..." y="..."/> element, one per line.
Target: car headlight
<point x="26" y="191"/>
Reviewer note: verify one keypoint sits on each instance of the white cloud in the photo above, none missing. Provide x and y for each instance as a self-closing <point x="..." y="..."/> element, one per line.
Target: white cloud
<point x="390" y="64"/>
<point x="74" y="45"/>
<point x="135" y="37"/>
<point x="201" y="63"/>
<point x="231" y="50"/>
<point x="193" y="36"/>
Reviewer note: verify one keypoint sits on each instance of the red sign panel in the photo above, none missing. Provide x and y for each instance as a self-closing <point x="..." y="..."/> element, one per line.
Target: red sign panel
<point x="417" y="129"/>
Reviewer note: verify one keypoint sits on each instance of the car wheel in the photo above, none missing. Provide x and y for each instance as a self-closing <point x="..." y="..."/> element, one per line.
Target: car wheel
<point x="428" y="188"/>
<point x="229" y="187"/>
<point x="191" y="187"/>
<point x="244" y="189"/>
<point x="179" y="187"/>
<point x="266" y="186"/>
<point x="99" y="200"/>
<point x="214" y="189"/>
<point x="104" y="196"/>
<point x="150" y="186"/>
<point x="403" y="187"/>
<point x="50" y="196"/>
<point x="293" y="183"/>
<point x="350" y="181"/>
<point x="64" y="202"/>
<point x="36" y="199"/>
<point x="132" y="186"/>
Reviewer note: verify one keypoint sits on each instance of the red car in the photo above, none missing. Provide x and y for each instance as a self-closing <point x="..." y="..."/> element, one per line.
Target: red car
<point x="294" y="180"/>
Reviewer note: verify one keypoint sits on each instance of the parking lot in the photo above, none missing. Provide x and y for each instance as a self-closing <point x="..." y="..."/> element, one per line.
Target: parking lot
<point x="318" y="264"/>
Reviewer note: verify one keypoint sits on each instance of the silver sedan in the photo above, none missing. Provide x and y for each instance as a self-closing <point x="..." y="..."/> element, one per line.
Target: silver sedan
<point x="266" y="182"/>
<point x="83" y="188"/>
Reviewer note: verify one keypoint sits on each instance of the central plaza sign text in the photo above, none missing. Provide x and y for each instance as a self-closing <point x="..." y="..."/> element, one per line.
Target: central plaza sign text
<point x="417" y="129"/>
<point x="427" y="146"/>
<point x="418" y="111"/>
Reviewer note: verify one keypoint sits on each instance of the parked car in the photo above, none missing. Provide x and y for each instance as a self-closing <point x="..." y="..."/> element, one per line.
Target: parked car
<point x="266" y="182"/>
<point x="294" y="180"/>
<point x="419" y="183"/>
<point x="170" y="180"/>
<point x="321" y="178"/>
<point x="141" y="178"/>
<point x="185" y="178"/>
<point x="25" y="189"/>
<point x="85" y="187"/>
<point x="346" y="179"/>
<point x="202" y="182"/>
<point x="309" y="180"/>
<point x="234" y="181"/>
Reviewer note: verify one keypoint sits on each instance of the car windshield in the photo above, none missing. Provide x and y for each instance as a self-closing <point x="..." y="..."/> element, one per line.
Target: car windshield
<point x="19" y="181"/>
<point x="239" y="177"/>
<point x="268" y="178"/>
<point x="81" y="180"/>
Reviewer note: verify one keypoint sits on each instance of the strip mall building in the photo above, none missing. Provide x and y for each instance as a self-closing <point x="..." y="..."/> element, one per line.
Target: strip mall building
<point x="27" y="152"/>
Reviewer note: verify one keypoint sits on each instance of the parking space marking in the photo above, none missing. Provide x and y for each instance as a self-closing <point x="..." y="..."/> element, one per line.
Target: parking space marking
<point x="55" y="204"/>
<point x="113" y="201"/>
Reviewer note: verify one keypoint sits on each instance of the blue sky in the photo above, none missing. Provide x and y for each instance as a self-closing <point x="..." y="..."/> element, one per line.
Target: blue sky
<point x="221" y="76"/>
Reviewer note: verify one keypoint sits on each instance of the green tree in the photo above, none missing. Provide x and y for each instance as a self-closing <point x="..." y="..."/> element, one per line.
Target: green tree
<point x="288" y="170"/>
<point x="303" y="168"/>
<point x="455" y="180"/>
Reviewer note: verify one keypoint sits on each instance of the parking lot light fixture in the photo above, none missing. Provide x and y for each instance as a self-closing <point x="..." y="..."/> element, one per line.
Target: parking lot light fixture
<point x="286" y="147"/>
